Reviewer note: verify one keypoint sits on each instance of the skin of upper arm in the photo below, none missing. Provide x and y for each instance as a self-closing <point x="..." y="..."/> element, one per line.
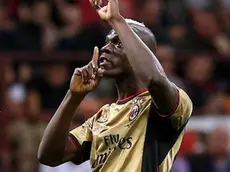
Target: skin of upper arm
<point x="71" y="151"/>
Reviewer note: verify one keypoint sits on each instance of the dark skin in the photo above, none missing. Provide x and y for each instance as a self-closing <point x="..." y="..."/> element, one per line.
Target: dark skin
<point x="126" y="58"/>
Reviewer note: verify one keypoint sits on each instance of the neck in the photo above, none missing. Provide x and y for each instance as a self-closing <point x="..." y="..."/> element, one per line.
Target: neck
<point x="128" y="86"/>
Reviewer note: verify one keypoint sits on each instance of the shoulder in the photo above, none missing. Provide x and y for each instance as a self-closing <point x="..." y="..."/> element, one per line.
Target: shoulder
<point x="180" y="115"/>
<point x="103" y="110"/>
<point x="185" y="104"/>
<point x="183" y="110"/>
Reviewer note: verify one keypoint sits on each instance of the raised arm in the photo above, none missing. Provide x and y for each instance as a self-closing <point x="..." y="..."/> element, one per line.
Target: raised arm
<point x="147" y="67"/>
<point x="144" y="63"/>
<point x="56" y="147"/>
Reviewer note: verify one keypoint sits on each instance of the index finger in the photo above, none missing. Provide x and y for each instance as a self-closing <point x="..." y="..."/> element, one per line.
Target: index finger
<point x="95" y="57"/>
<point x="96" y="3"/>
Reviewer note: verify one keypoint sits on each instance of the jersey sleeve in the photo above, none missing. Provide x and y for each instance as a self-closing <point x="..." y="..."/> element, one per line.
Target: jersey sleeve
<point x="82" y="137"/>
<point x="182" y="112"/>
<point x="177" y="119"/>
<point x="83" y="133"/>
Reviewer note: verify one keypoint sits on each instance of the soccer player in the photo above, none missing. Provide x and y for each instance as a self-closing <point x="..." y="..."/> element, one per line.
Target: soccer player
<point x="143" y="130"/>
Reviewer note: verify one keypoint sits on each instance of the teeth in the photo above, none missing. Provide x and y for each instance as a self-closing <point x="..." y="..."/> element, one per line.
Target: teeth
<point x="103" y="60"/>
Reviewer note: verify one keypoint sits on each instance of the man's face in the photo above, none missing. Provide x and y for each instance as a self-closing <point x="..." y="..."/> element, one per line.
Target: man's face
<point x="113" y="58"/>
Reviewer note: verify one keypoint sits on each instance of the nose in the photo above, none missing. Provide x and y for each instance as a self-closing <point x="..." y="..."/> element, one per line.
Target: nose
<point x="106" y="49"/>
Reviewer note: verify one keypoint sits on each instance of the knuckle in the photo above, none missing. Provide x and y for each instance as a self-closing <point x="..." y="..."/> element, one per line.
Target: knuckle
<point x="81" y="70"/>
<point x="90" y="65"/>
<point x="87" y="66"/>
<point x="77" y="71"/>
<point x="84" y="70"/>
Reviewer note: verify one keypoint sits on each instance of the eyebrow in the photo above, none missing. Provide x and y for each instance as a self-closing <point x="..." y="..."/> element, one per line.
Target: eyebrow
<point x="108" y="39"/>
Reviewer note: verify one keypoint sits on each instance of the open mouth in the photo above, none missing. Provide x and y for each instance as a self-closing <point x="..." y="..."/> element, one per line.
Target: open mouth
<point x="104" y="63"/>
<point x="103" y="60"/>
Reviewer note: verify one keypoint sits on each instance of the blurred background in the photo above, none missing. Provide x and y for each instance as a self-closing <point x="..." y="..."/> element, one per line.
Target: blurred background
<point x="42" y="41"/>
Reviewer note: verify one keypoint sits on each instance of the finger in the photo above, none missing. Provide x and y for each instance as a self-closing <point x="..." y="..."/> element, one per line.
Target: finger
<point x="98" y="77"/>
<point x="85" y="75"/>
<point x="100" y="73"/>
<point x="110" y="6"/>
<point x="102" y="12"/>
<point x="93" y="82"/>
<point x="103" y="9"/>
<point x="92" y="71"/>
<point x="100" y="2"/>
<point x="77" y="72"/>
<point x="91" y="2"/>
<point x="95" y="4"/>
<point x="95" y="58"/>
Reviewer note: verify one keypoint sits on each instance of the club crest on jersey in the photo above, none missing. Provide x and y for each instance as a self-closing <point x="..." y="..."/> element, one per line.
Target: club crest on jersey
<point x="134" y="112"/>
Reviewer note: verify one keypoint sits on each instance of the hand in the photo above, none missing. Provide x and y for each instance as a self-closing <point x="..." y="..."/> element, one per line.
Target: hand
<point x="88" y="77"/>
<point x="109" y="12"/>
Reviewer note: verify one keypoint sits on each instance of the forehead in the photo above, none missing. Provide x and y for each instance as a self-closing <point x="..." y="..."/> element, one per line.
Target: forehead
<point x="111" y="35"/>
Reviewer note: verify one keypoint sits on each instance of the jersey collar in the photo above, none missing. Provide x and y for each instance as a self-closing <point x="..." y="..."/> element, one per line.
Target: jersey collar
<point x="122" y="101"/>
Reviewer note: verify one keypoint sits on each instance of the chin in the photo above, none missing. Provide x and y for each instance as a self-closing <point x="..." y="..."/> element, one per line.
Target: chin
<point x="113" y="73"/>
<point x="110" y="74"/>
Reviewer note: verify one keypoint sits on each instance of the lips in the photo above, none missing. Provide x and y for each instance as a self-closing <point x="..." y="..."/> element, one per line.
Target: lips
<point x="103" y="60"/>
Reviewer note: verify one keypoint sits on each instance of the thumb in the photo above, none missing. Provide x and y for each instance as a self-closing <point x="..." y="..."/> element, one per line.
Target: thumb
<point x="97" y="79"/>
<point x="100" y="72"/>
<point x="99" y="76"/>
<point x="102" y="11"/>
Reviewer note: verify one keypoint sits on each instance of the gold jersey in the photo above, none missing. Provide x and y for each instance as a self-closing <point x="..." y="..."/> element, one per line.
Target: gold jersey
<point x="131" y="136"/>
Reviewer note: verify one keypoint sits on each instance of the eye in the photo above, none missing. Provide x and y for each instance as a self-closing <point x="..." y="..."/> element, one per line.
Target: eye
<point x="119" y="44"/>
<point x="116" y="41"/>
<point x="106" y="40"/>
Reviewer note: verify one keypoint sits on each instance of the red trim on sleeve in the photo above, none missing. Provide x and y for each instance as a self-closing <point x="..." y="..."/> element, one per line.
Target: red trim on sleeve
<point x="77" y="146"/>
<point x="74" y="141"/>
<point x="175" y="108"/>
<point x="130" y="97"/>
<point x="157" y="170"/>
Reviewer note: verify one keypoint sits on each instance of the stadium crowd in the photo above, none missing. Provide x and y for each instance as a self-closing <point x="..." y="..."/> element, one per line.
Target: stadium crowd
<point x="193" y="46"/>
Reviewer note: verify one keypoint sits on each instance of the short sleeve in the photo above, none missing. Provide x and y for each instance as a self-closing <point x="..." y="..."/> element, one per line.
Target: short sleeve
<point x="177" y="119"/>
<point x="83" y="133"/>
<point x="183" y="110"/>
<point x="82" y="137"/>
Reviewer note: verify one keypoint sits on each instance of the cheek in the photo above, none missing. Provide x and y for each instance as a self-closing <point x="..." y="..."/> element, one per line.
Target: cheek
<point x="121" y="57"/>
<point x="120" y="60"/>
<point x="122" y="63"/>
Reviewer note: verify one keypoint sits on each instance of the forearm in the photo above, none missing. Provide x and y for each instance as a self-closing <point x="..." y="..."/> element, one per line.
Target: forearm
<point x="55" y="137"/>
<point x="144" y="63"/>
